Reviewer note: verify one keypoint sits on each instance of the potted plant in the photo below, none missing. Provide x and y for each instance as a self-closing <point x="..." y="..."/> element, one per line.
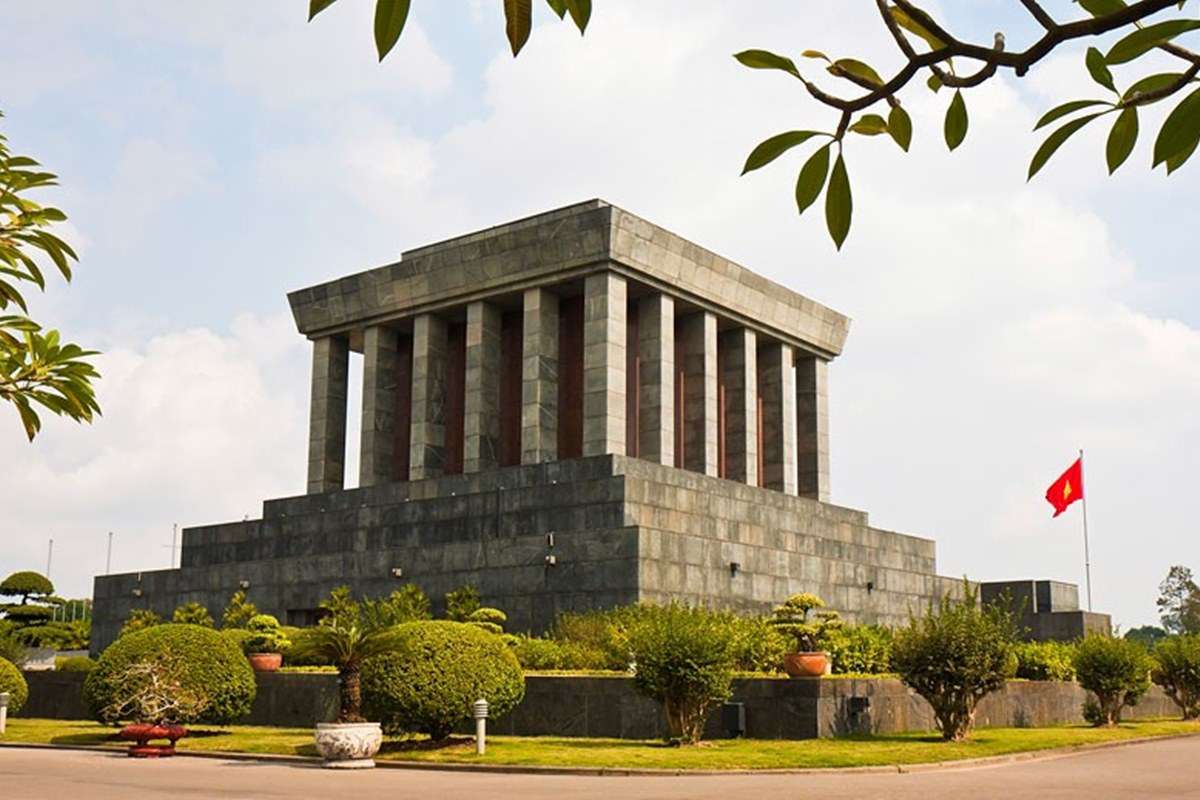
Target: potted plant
<point x="792" y="620"/>
<point x="153" y="695"/>
<point x="348" y="635"/>
<point x="266" y="643"/>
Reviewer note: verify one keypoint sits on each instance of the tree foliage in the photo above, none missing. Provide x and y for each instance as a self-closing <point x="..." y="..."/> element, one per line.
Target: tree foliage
<point x="13" y="683"/>
<point x="238" y="611"/>
<point x="193" y="613"/>
<point x="139" y="619"/>
<point x="1116" y="671"/>
<point x="1179" y="601"/>
<point x="956" y="655"/>
<point x="37" y="369"/>
<point x="1177" y="671"/>
<point x="791" y="619"/>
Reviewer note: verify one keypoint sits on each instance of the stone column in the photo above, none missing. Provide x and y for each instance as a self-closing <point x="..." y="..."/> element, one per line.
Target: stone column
<point x="428" y="443"/>
<point x="539" y="378"/>
<point x="604" y="311"/>
<point x="699" y="344"/>
<point x="327" y="414"/>
<point x="812" y="427"/>
<point x="381" y="364"/>
<point x="777" y="388"/>
<point x="739" y="362"/>
<point x="481" y="419"/>
<point x="656" y="346"/>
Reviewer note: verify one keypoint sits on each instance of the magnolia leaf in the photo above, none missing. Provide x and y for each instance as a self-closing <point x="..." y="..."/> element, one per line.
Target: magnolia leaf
<point x="1179" y="133"/>
<point x="856" y="68"/>
<point x="581" y="13"/>
<point x="559" y="7"/>
<point x="763" y="59"/>
<point x="815" y="54"/>
<point x="1151" y="83"/>
<point x="1121" y="138"/>
<point x="1094" y="60"/>
<point x="839" y="205"/>
<point x="1067" y="108"/>
<point x="955" y="127"/>
<point x="812" y="178"/>
<point x="899" y="125"/>
<point x="1147" y="38"/>
<point x="317" y="6"/>
<point x="1055" y="140"/>
<point x="870" y="125"/>
<point x="390" y="16"/>
<point x="774" y="147"/>
<point x="518" y="21"/>
<point x="909" y="24"/>
<point x="934" y="83"/>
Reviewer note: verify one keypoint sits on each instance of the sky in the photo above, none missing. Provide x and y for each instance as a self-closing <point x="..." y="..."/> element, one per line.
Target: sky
<point x="214" y="157"/>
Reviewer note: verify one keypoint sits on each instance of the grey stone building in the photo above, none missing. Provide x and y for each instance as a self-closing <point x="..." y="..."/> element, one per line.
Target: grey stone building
<point x="574" y="410"/>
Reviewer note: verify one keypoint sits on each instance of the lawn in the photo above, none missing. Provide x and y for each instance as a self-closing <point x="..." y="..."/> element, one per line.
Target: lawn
<point x="912" y="748"/>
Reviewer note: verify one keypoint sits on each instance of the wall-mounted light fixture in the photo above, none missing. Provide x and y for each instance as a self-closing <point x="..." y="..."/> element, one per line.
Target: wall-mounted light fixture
<point x="397" y="572"/>
<point x="243" y="585"/>
<point x="137" y="591"/>
<point x="551" y="561"/>
<point x="870" y="586"/>
<point x="735" y="567"/>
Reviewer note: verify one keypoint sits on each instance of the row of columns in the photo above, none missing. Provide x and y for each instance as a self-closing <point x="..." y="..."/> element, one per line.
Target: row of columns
<point x="773" y="421"/>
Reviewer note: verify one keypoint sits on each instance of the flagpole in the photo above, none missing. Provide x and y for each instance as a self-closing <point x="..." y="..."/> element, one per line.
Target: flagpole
<point x="1087" y="558"/>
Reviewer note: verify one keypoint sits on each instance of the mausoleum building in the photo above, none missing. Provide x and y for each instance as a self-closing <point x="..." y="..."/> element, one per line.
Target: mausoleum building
<point x="575" y="410"/>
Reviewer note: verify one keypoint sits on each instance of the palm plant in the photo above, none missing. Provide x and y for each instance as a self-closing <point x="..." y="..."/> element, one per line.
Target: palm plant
<point x="345" y="638"/>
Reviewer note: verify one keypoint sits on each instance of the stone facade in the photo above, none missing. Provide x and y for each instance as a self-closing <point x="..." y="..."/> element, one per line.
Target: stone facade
<point x="574" y="410"/>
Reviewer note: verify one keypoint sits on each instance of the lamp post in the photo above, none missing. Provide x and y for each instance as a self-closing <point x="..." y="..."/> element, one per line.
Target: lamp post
<point x="481" y="712"/>
<point x="3" y="712"/>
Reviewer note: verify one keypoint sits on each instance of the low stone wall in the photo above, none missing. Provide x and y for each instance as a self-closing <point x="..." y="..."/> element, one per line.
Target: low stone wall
<point x="598" y="706"/>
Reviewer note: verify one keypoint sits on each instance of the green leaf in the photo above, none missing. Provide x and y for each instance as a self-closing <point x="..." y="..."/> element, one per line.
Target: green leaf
<point x="1102" y="8"/>
<point x="1176" y="161"/>
<point x="774" y="147"/>
<point x="317" y="6"/>
<point x="815" y="54"/>
<point x="1147" y="38"/>
<point x="559" y="7"/>
<point x="581" y="13"/>
<point x="812" y="178"/>
<point x="869" y="125"/>
<point x="1121" y="138"/>
<point x="390" y="16"/>
<point x="1067" y="108"/>
<point x="899" y="125"/>
<point x="518" y="21"/>
<point x="839" y="205"/>
<point x="934" y="83"/>
<point x="1179" y="133"/>
<point x="1098" y="69"/>
<point x="955" y="127"/>
<point x="856" y="68"/>
<point x="1151" y="83"/>
<point x="762" y="59"/>
<point x="909" y="24"/>
<point x="1055" y="140"/>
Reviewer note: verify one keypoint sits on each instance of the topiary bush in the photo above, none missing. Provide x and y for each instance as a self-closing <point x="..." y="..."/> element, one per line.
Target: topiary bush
<point x="74" y="664"/>
<point x="1046" y="661"/>
<point x="487" y="618"/>
<point x="1116" y="671"/>
<point x="536" y="654"/>
<point x="684" y="660"/>
<point x="265" y="636"/>
<point x="791" y="619"/>
<point x="205" y="663"/>
<point x="860" y="649"/>
<point x="955" y="656"/>
<point x="13" y="682"/>
<point x="437" y="671"/>
<point x="11" y="647"/>
<point x="1177" y="671"/>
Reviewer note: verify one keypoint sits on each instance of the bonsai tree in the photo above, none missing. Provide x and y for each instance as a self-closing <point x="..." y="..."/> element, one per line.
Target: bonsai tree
<point x="345" y="638"/>
<point x="192" y="613"/>
<point x="956" y="655"/>
<point x="1116" y="671"/>
<point x="791" y="619"/>
<point x="238" y="611"/>
<point x="36" y="602"/>
<point x="156" y="691"/>
<point x="1177" y="671"/>
<point x="265" y="636"/>
<point x="489" y="619"/>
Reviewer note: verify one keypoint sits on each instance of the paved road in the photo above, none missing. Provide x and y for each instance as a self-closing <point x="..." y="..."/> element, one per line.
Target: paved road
<point x="1165" y="769"/>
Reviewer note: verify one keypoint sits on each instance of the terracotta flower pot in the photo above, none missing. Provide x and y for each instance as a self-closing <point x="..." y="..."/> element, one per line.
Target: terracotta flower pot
<point x="806" y="665"/>
<point x="265" y="662"/>
<point x="142" y="733"/>
<point x="349" y="745"/>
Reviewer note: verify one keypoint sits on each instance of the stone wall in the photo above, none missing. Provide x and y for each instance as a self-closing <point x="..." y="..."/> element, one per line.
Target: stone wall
<point x="590" y="706"/>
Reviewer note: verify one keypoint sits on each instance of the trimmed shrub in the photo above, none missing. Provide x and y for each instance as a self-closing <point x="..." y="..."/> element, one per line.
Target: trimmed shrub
<point x="1046" y="661"/>
<point x="74" y="664"/>
<point x="757" y="645"/>
<point x="238" y="611"/>
<point x="193" y="613"/>
<point x="204" y="662"/>
<point x="1177" y="671"/>
<point x="955" y="656"/>
<point x="238" y="636"/>
<point x="1116" y="671"/>
<point x="74" y="635"/>
<point x="860" y="649"/>
<point x="265" y="636"/>
<point x="489" y="619"/>
<point x="13" y="682"/>
<point x="550" y="654"/>
<point x="26" y="585"/>
<point x="438" y="670"/>
<point x="11" y="647"/>
<point x="791" y="619"/>
<point x="684" y="660"/>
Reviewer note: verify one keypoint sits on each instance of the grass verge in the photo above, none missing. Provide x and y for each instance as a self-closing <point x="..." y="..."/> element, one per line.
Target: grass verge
<point x="898" y="749"/>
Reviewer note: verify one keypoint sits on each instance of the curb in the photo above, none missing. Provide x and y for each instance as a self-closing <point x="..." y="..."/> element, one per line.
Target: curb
<point x="630" y="772"/>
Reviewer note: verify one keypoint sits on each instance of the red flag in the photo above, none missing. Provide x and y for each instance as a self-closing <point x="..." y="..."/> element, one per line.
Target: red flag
<point x="1067" y="489"/>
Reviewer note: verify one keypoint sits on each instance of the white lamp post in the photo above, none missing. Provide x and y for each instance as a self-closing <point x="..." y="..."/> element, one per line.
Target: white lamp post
<point x="481" y="711"/>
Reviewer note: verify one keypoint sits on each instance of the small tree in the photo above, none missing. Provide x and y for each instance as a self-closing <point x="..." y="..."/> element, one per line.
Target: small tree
<point x="265" y="636"/>
<point x="1177" y="671"/>
<point x="193" y="613"/>
<point x="1179" y="601"/>
<point x="1116" y="671"/>
<point x="1146" y="635"/>
<point x="462" y="603"/>
<point x="238" y="611"/>
<point x="791" y="619"/>
<point x="955" y="656"/>
<point x="406" y="604"/>
<point x="156" y="691"/>
<point x="140" y="619"/>
<point x="345" y="638"/>
<point x="684" y="660"/>
<point x="36" y="602"/>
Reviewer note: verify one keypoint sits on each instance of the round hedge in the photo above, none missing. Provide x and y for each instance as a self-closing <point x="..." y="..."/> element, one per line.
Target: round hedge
<point x="13" y="682"/>
<point x="213" y="663"/>
<point x="429" y="683"/>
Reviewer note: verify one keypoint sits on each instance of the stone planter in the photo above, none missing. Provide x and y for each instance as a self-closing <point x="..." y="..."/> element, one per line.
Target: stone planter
<point x="806" y="665"/>
<point x="349" y="745"/>
<point x="265" y="662"/>
<point x="141" y="734"/>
